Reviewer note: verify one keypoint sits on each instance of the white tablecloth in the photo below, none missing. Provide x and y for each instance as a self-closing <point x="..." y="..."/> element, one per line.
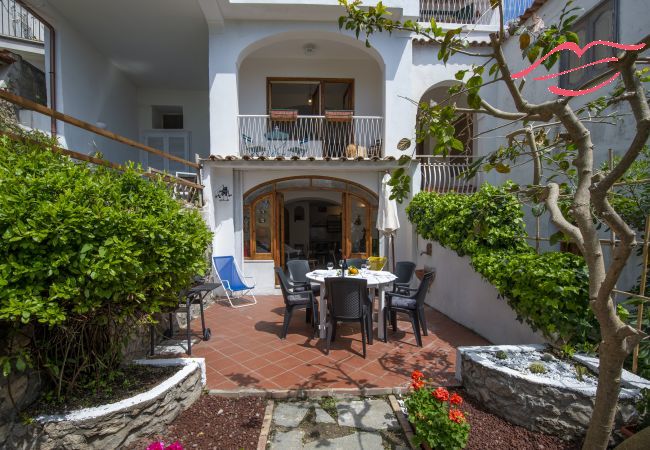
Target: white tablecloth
<point x="377" y="279"/>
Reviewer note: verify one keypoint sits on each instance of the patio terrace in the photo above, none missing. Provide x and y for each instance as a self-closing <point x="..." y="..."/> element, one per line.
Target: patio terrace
<point x="245" y="351"/>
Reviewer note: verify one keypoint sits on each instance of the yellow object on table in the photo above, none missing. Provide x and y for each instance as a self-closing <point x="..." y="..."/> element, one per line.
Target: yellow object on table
<point x="377" y="262"/>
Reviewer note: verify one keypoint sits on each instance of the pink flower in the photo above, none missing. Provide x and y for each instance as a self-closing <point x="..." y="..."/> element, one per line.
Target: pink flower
<point x="159" y="445"/>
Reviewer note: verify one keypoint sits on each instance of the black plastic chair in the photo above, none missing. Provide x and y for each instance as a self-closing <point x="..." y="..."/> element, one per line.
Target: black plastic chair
<point x="298" y="269"/>
<point x="295" y="299"/>
<point x="404" y="271"/>
<point x="411" y="304"/>
<point x="348" y="302"/>
<point x="356" y="262"/>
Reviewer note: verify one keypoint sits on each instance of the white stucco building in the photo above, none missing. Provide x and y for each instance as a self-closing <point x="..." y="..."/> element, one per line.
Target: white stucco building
<point x="294" y="121"/>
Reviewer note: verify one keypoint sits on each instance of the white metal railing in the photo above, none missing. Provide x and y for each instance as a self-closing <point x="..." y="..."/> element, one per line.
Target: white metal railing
<point x="469" y="11"/>
<point x="310" y="137"/>
<point x="445" y="174"/>
<point x="17" y="22"/>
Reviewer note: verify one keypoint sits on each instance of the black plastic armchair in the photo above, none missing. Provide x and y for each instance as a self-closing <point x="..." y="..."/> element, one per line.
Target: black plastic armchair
<point x="298" y="269"/>
<point x="404" y="272"/>
<point x="348" y="302"/>
<point x="411" y="303"/>
<point x="296" y="299"/>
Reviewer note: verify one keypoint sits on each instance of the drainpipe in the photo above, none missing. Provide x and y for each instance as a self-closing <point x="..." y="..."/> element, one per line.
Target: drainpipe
<point x="52" y="72"/>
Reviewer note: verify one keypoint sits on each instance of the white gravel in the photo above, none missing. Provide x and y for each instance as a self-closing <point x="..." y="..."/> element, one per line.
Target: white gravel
<point x="556" y="369"/>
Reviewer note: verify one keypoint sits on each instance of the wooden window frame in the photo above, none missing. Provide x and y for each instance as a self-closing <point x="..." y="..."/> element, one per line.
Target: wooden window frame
<point x="321" y="89"/>
<point x="253" y="221"/>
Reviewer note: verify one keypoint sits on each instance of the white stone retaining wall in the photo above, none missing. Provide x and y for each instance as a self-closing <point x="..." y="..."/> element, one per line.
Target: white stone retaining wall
<point x="116" y="424"/>
<point x="550" y="406"/>
<point x="463" y="295"/>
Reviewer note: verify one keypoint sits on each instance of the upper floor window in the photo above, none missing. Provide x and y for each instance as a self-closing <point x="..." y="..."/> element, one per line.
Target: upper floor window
<point x="167" y="117"/>
<point x="599" y="24"/>
<point x="310" y="96"/>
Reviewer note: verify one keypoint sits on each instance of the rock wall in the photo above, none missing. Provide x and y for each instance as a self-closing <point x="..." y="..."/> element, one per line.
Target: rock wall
<point x="114" y="425"/>
<point x="549" y="408"/>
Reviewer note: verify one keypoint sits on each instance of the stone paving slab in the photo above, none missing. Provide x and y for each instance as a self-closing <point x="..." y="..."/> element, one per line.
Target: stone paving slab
<point x="290" y="414"/>
<point x="362" y="440"/>
<point x="367" y="415"/>
<point x="322" y="416"/>
<point x="288" y="440"/>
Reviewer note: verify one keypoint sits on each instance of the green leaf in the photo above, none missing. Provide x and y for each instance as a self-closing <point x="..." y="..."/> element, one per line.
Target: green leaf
<point x="572" y="37"/>
<point x="403" y="144"/>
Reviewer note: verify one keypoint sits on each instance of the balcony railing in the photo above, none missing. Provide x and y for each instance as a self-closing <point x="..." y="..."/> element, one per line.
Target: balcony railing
<point x="16" y="22"/>
<point x="448" y="174"/>
<point x="469" y="11"/>
<point x="311" y="137"/>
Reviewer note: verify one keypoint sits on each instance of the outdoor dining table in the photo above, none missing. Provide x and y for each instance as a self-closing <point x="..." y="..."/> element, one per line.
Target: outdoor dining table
<point x="377" y="279"/>
<point x="277" y="140"/>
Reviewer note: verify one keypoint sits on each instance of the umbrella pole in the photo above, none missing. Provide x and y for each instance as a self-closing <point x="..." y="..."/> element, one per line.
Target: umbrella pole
<point x="392" y="250"/>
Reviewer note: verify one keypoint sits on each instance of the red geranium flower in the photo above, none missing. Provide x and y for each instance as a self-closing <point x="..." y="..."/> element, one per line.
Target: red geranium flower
<point x="417" y="384"/>
<point x="456" y="399"/>
<point x="441" y="394"/>
<point x="417" y="375"/>
<point x="456" y="415"/>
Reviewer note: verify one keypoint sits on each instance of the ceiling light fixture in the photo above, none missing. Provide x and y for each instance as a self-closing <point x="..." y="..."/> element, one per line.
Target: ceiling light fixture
<point x="309" y="49"/>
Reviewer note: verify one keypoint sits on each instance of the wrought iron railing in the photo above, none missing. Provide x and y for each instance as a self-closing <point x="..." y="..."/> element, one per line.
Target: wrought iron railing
<point x="16" y="22"/>
<point x="446" y="174"/>
<point x="311" y="136"/>
<point x="470" y="11"/>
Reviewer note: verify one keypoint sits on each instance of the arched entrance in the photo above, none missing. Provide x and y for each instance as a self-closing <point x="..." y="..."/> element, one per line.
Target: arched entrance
<point x="317" y="218"/>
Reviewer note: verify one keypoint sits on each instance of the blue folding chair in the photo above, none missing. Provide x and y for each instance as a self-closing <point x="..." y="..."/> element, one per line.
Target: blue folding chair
<point x="232" y="280"/>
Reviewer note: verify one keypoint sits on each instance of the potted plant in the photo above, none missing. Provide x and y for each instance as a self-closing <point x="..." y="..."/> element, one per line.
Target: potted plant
<point x="435" y="415"/>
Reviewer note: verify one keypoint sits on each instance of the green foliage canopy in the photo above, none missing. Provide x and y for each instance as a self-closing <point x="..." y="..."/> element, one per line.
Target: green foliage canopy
<point x="547" y="291"/>
<point x="86" y="252"/>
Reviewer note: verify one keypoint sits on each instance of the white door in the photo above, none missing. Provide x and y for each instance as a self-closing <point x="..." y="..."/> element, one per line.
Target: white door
<point x="176" y="143"/>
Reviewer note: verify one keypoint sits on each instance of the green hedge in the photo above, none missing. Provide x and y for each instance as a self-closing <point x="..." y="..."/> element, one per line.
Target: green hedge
<point x="547" y="291"/>
<point x="86" y="252"/>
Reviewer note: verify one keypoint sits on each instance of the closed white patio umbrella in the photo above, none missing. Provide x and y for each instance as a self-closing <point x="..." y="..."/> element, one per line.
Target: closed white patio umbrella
<point x="387" y="219"/>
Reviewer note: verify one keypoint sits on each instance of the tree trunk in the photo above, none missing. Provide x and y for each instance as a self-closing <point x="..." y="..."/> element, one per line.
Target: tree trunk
<point x="611" y="356"/>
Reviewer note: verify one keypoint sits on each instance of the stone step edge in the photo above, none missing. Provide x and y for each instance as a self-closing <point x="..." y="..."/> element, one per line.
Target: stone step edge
<point x="266" y="425"/>
<point x="403" y="421"/>
<point x="281" y="394"/>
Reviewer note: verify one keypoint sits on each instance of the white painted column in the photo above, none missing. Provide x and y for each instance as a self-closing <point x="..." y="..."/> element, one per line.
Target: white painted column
<point x="399" y="112"/>
<point x="222" y="212"/>
<point x="224" y="99"/>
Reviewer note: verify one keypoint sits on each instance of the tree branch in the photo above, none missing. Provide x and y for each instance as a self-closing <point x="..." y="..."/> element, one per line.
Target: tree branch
<point x="551" y="201"/>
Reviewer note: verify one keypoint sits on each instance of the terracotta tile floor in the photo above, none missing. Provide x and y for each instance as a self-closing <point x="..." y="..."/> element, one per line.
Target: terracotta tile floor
<point x="246" y="352"/>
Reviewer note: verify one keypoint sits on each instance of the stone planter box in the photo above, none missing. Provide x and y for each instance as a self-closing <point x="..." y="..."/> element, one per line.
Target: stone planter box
<point x="116" y="424"/>
<point x="548" y="405"/>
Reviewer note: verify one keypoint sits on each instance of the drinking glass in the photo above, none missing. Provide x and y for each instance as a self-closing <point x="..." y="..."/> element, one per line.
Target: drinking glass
<point x="340" y="263"/>
<point x="330" y="265"/>
<point x="364" y="268"/>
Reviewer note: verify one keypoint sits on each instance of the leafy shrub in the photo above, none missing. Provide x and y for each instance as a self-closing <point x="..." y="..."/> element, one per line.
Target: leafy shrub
<point x="537" y="367"/>
<point x="547" y="291"/>
<point x="86" y="252"/>
<point x="435" y="415"/>
<point x="491" y="219"/>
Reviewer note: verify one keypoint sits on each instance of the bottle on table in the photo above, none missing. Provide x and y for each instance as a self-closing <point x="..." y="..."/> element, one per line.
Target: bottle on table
<point x="344" y="267"/>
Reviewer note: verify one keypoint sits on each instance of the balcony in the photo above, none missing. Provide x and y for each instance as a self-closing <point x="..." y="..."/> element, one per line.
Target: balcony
<point x="470" y="12"/>
<point x="337" y="134"/>
<point x="447" y="174"/>
<point x="18" y="23"/>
